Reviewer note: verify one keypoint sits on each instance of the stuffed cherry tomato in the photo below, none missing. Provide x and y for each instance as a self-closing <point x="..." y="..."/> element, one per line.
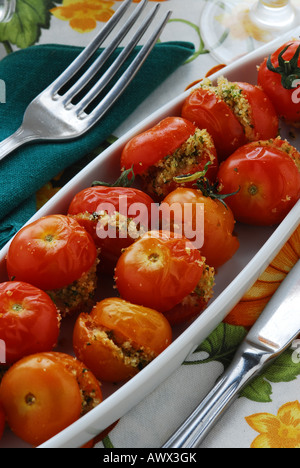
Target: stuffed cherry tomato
<point x="62" y="258"/>
<point x="44" y="393"/>
<point x="114" y="216"/>
<point x="118" y="339"/>
<point x="266" y="175"/>
<point x="173" y="147"/>
<point x="232" y="113"/>
<point x="159" y="271"/>
<point x="279" y="77"/>
<point x="215" y="222"/>
<point x="195" y="302"/>
<point x="29" y="320"/>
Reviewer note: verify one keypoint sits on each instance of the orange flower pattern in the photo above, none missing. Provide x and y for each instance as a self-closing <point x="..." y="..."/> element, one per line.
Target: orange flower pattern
<point x="246" y="312"/>
<point x="84" y="14"/>
<point x="281" y="431"/>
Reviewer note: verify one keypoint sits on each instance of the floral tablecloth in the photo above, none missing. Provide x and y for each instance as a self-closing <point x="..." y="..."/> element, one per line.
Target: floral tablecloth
<point x="267" y="414"/>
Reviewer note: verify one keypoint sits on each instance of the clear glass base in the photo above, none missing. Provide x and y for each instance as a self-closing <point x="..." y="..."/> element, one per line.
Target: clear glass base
<point x="7" y="9"/>
<point x="233" y="28"/>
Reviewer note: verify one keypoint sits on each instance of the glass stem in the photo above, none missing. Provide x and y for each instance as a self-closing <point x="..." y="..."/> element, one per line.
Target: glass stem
<point x="273" y="14"/>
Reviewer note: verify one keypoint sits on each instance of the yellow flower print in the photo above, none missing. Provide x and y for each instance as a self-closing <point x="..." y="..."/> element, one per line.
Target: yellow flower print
<point x="281" y="431"/>
<point x="84" y="14"/>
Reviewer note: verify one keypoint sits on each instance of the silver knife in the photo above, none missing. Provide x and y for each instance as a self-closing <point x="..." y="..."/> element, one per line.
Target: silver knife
<point x="274" y="331"/>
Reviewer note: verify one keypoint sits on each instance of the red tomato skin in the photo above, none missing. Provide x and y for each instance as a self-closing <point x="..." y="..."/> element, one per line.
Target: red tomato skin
<point x="219" y="242"/>
<point x="123" y="200"/>
<point x="55" y="263"/>
<point x="267" y="179"/>
<point x="29" y="320"/>
<point x="145" y="329"/>
<point x="153" y="145"/>
<point x="265" y="121"/>
<point x="206" y="110"/>
<point x="164" y="282"/>
<point x="91" y="198"/>
<point x="270" y="82"/>
<point x="56" y="399"/>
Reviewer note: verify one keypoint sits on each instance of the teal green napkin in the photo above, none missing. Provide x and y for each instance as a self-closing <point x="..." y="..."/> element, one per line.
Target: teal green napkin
<point x="26" y="73"/>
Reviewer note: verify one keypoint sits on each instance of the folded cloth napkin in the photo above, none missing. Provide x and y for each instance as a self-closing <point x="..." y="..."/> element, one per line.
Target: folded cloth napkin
<point x="26" y="73"/>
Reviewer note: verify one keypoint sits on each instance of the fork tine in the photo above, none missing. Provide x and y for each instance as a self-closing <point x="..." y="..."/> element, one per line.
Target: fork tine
<point x="101" y="60"/>
<point x="110" y="73"/>
<point x="127" y="76"/>
<point x="87" y="53"/>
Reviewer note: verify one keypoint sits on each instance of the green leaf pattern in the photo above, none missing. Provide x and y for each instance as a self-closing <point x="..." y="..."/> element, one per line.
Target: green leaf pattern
<point x="25" y="27"/>
<point x="221" y="346"/>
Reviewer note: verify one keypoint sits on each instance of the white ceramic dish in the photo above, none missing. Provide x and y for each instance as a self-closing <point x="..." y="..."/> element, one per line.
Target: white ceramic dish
<point x="258" y="247"/>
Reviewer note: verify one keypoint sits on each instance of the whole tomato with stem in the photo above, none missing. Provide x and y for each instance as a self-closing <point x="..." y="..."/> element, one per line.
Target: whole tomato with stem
<point x="29" y="320"/>
<point x="266" y="177"/>
<point x="114" y="216"/>
<point x="159" y="271"/>
<point x="279" y="77"/>
<point x="214" y="222"/>
<point x="118" y="339"/>
<point x="44" y="393"/>
<point x="233" y="113"/>
<point x="172" y="147"/>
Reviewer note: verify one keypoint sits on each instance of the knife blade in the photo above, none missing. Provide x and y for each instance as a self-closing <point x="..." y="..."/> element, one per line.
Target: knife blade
<point x="274" y="331"/>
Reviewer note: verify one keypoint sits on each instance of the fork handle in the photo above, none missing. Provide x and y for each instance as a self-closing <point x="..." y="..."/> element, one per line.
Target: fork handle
<point x="200" y="422"/>
<point x="14" y="141"/>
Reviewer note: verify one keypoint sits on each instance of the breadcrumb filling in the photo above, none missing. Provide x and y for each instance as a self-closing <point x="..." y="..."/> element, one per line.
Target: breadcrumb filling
<point x="184" y="158"/>
<point x="89" y="401"/>
<point x="126" y="352"/>
<point x="80" y="293"/>
<point x="123" y="226"/>
<point x="236" y="100"/>
<point x="204" y="288"/>
<point x="286" y="147"/>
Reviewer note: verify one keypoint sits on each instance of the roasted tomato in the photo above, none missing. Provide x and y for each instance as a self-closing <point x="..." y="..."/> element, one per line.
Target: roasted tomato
<point x="214" y="224"/>
<point x="118" y="339"/>
<point x="195" y="302"/>
<point x="2" y="421"/>
<point x="44" y="393"/>
<point x="232" y="113"/>
<point x="173" y="147"/>
<point x="279" y="77"/>
<point x="62" y="258"/>
<point x="159" y="271"/>
<point x="267" y="177"/>
<point x="29" y="320"/>
<point x="114" y="216"/>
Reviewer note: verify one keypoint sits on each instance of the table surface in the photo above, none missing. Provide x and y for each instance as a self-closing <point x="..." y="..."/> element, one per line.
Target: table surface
<point x="269" y="414"/>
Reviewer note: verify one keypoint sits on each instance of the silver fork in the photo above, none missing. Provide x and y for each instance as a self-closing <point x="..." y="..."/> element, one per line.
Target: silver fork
<point x="53" y="116"/>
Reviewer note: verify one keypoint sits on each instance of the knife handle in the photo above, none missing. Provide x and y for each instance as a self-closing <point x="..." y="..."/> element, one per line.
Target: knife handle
<point x="247" y="362"/>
